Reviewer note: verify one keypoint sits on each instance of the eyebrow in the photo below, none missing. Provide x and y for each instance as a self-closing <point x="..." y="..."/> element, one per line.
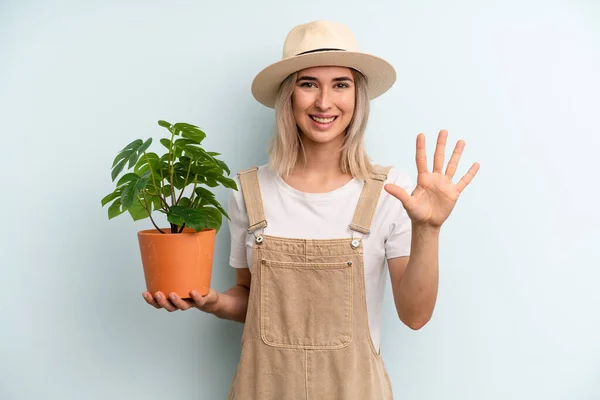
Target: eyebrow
<point x="312" y="78"/>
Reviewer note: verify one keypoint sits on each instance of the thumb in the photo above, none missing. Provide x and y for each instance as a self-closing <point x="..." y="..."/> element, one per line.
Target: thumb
<point x="398" y="193"/>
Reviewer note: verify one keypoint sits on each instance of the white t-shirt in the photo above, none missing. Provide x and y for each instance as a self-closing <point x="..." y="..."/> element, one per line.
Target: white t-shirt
<point x="294" y="214"/>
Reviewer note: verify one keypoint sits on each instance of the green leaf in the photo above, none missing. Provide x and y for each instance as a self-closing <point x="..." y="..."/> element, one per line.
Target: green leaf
<point x="209" y="198"/>
<point x="137" y="153"/>
<point x="194" y="134"/>
<point x="181" y="142"/>
<point x="189" y="131"/>
<point x="147" y="161"/>
<point x="166" y="190"/>
<point x="184" y="202"/>
<point x="145" y="146"/>
<point x="205" y="170"/>
<point x="211" y="182"/>
<point x="111" y="197"/>
<point x="174" y="218"/>
<point x="204" y="193"/>
<point x="127" y="178"/>
<point x="166" y="142"/>
<point x="164" y="124"/>
<point x="117" y="169"/>
<point x="132" y="189"/>
<point x="228" y="183"/>
<point x="224" y="166"/>
<point x="191" y="217"/>
<point x="156" y="203"/>
<point x="131" y="153"/>
<point x="213" y="153"/>
<point x="198" y="153"/>
<point x="197" y="219"/>
<point x="214" y="218"/>
<point x="137" y="210"/>
<point x="127" y="150"/>
<point x="115" y="209"/>
<point x="178" y="181"/>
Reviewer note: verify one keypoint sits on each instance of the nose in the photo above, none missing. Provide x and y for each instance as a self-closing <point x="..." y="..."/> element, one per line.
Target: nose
<point x="323" y="101"/>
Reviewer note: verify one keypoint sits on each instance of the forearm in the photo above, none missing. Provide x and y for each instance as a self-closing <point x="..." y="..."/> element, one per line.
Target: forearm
<point x="415" y="295"/>
<point x="233" y="304"/>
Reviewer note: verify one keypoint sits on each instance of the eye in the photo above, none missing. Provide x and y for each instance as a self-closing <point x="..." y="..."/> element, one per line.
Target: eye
<point x="307" y="84"/>
<point x="342" y="85"/>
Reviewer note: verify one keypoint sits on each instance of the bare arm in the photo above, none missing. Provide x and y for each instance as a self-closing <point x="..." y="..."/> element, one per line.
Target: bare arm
<point x="415" y="279"/>
<point x="233" y="304"/>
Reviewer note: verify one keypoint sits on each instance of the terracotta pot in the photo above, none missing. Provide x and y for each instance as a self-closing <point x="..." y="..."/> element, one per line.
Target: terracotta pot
<point x="177" y="262"/>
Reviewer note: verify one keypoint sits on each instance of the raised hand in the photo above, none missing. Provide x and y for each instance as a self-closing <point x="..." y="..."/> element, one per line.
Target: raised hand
<point x="435" y="195"/>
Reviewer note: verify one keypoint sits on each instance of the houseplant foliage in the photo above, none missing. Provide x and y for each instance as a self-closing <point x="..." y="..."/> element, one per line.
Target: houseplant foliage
<point x="158" y="183"/>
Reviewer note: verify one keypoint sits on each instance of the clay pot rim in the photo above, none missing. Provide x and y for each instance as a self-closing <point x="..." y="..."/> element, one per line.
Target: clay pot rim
<point x="186" y="231"/>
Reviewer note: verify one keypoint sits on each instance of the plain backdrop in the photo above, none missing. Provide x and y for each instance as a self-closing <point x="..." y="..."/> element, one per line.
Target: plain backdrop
<point x="517" y="313"/>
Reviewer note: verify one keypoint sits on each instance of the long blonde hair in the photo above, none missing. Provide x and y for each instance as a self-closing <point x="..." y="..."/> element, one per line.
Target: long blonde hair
<point x="286" y="145"/>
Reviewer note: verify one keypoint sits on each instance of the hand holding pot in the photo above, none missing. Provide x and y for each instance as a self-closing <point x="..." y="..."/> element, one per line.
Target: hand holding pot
<point x="173" y="302"/>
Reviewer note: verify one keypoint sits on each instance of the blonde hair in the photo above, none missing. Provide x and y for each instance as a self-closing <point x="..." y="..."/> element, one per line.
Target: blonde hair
<point x="286" y="145"/>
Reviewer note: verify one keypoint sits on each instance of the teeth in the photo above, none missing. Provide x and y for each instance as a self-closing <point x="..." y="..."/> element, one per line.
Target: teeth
<point x="323" y="120"/>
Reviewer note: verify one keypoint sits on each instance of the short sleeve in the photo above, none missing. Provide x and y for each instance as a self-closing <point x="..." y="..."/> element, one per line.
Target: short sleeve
<point x="238" y="225"/>
<point x="400" y="234"/>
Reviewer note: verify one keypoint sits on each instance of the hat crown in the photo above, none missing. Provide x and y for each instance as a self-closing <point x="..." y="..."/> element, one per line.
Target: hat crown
<point x="319" y="35"/>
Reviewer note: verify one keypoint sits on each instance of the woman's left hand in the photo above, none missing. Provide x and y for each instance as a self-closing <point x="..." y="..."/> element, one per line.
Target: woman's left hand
<point x="434" y="197"/>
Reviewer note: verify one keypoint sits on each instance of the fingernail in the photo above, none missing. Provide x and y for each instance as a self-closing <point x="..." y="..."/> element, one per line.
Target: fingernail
<point x="194" y="293"/>
<point x="172" y="296"/>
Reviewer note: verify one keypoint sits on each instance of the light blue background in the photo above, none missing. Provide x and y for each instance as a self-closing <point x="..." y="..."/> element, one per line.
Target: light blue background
<point x="517" y="314"/>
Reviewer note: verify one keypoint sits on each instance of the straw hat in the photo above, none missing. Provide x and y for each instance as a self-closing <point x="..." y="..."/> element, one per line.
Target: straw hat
<point x="322" y="43"/>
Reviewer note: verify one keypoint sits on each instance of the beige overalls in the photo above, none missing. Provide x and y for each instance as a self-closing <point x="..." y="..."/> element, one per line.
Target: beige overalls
<point x="306" y="334"/>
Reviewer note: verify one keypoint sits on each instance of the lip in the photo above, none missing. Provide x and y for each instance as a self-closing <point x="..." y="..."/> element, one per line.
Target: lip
<point x="322" y="127"/>
<point x="323" y="115"/>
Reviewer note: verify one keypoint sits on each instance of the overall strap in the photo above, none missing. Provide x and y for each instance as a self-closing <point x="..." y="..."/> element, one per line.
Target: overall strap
<point x="252" y="198"/>
<point x="368" y="200"/>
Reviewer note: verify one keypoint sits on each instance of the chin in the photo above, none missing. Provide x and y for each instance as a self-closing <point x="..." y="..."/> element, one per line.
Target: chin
<point x="323" y="137"/>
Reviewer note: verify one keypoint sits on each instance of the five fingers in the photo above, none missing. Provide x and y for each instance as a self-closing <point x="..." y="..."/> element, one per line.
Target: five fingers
<point x="438" y="159"/>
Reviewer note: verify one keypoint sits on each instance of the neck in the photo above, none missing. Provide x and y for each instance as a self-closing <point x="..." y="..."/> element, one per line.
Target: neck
<point x="321" y="158"/>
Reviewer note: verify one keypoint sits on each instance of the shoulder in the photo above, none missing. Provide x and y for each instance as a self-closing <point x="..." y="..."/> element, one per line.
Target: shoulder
<point x="265" y="176"/>
<point x="399" y="177"/>
<point x="395" y="175"/>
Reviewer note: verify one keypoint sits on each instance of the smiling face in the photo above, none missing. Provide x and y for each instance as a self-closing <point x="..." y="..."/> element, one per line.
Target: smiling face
<point x="323" y="103"/>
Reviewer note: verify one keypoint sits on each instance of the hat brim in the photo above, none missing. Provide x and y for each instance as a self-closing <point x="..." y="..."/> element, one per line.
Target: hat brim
<point x="380" y="74"/>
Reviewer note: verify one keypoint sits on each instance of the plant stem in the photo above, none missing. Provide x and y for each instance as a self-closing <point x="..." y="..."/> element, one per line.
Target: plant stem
<point x="171" y="169"/>
<point x="154" y="182"/>
<point x="145" y="205"/>
<point x="185" y="184"/>
<point x="195" y="185"/>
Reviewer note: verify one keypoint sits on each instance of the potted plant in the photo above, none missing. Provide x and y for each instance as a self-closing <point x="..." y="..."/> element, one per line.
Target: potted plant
<point x="178" y="258"/>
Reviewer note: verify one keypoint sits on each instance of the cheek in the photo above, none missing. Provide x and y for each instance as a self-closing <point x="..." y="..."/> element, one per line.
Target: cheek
<point x="298" y="105"/>
<point x="348" y="105"/>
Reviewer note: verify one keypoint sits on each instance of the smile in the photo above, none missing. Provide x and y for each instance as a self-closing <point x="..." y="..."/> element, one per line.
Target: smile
<point x="322" y="120"/>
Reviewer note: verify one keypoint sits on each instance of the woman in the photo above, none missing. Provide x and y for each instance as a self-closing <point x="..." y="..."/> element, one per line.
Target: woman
<point x="312" y="230"/>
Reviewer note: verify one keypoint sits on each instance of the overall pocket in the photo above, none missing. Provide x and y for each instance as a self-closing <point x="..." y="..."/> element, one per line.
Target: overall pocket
<point x="306" y="305"/>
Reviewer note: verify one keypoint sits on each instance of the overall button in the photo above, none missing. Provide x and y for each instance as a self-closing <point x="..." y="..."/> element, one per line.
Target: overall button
<point x="259" y="239"/>
<point x="355" y="243"/>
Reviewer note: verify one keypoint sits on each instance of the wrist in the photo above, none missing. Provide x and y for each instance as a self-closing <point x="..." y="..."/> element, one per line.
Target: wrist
<point x="425" y="229"/>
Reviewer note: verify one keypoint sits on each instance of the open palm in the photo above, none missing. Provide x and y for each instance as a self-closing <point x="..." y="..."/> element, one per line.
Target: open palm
<point x="435" y="195"/>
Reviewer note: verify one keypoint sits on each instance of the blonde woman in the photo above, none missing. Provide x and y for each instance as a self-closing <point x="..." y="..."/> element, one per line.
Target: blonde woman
<point x="316" y="230"/>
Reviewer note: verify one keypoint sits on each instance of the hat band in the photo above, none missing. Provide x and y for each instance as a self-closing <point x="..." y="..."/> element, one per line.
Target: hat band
<point x="318" y="50"/>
